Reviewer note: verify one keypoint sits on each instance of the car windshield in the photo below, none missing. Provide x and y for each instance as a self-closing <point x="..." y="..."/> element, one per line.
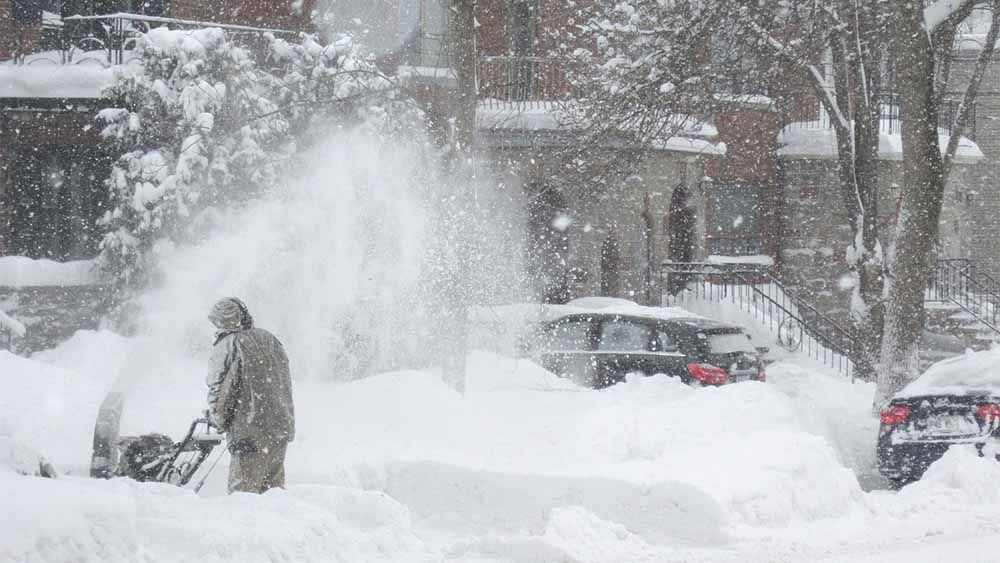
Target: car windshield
<point x="729" y="343"/>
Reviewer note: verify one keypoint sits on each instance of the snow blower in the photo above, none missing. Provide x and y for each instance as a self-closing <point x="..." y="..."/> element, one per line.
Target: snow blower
<point x="152" y="457"/>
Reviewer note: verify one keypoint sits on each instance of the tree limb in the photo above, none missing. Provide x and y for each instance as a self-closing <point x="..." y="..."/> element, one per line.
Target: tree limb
<point x="971" y="92"/>
<point x="938" y="12"/>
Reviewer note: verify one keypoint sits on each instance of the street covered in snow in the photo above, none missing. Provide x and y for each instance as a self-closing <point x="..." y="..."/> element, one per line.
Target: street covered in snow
<point x="524" y="467"/>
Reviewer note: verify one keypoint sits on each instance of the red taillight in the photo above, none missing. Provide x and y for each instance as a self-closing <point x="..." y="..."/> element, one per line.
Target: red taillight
<point x="761" y="374"/>
<point x="895" y="414"/>
<point x="988" y="412"/>
<point x="707" y="373"/>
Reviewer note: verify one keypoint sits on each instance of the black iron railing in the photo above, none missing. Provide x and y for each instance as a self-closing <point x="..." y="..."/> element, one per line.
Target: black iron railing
<point x="751" y="288"/>
<point x="523" y="80"/>
<point x="109" y="39"/>
<point x="890" y="121"/>
<point x="958" y="281"/>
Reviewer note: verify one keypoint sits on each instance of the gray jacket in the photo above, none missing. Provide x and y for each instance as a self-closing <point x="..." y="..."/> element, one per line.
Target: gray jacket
<point x="250" y="388"/>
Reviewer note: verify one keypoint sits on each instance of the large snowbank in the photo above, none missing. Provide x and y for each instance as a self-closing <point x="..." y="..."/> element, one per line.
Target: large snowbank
<point x="524" y="467"/>
<point x="76" y="519"/>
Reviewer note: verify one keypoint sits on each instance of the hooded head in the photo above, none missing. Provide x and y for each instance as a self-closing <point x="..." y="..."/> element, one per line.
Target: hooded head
<point x="230" y="315"/>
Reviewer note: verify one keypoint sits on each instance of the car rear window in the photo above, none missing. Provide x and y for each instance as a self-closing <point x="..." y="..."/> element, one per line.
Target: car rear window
<point x="729" y="342"/>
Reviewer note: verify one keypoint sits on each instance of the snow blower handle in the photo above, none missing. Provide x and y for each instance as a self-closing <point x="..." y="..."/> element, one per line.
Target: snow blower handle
<point x="206" y="417"/>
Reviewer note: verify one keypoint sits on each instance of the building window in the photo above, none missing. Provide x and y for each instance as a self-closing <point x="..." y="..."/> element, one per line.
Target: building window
<point x="57" y="197"/>
<point x="733" y="220"/>
<point x="522" y="44"/>
<point x="522" y="28"/>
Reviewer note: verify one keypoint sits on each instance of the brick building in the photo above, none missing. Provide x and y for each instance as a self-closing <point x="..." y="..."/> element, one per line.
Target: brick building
<point x="52" y="72"/>
<point x="761" y="173"/>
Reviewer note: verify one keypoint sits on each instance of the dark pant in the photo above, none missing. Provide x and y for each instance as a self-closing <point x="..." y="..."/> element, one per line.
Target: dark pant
<point x="256" y="468"/>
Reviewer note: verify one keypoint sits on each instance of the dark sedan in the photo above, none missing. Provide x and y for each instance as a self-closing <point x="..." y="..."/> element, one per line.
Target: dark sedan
<point x="600" y="349"/>
<point x="956" y="401"/>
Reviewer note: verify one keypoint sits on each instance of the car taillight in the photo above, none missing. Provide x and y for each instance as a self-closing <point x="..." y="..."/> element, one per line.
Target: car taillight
<point x="894" y="414"/>
<point x="988" y="412"/>
<point x="761" y="374"/>
<point x="707" y="373"/>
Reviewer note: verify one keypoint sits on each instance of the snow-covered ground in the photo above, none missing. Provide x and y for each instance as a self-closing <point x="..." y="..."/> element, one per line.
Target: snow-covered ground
<point x="525" y="467"/>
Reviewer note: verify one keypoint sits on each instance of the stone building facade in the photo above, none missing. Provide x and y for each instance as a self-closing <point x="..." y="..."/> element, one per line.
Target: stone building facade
<point x="610" y="238"/>
<point x="817" y="234"/>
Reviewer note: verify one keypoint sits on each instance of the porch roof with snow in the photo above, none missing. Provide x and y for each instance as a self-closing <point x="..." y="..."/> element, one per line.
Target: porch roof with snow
<point x="55" y="81"/>
<point x="805" y="141"/>
<point x="544" y="123"/>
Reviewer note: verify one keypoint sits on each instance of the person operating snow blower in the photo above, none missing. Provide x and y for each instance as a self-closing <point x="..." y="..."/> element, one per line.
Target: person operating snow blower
<point x="250" y="398"/>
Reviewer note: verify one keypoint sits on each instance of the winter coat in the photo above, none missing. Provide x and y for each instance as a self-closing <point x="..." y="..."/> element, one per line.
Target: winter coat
<point x="250" y="388"/>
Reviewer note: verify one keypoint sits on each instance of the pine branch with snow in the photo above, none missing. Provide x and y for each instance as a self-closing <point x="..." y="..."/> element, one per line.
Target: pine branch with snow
<point x="201" y="126"/>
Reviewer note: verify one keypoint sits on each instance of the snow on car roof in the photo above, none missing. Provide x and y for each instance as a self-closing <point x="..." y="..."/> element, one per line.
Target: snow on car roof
<point x="972" y="373"/>
<point x="616" y="306"/>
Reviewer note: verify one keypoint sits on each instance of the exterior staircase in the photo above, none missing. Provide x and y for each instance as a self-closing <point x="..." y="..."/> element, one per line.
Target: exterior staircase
<point x="795" y="323"/>
<point x="963" y="309"/>
<point x="962" y="305"/>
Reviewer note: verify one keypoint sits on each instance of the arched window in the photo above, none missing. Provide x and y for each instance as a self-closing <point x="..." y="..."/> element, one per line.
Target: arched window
<point x="611" y="264"/>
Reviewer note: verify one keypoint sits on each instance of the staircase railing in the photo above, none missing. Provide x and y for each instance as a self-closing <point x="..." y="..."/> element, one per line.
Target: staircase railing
<point x="751" y="288"/>
<point x="958" y="281"/>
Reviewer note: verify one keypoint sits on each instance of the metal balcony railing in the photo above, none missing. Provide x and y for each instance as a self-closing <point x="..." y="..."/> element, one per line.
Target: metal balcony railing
<point x="890" y="121"/>
<point x="523" y="80"/>
<point x="110" y="39"/>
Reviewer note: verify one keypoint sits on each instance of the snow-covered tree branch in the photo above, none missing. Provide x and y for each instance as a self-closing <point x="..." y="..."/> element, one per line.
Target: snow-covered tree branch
<point x="201" y="124"/>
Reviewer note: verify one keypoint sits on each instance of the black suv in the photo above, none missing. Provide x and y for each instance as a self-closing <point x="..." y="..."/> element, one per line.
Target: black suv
<point x="956" y="401"/>
<point x="600" y="349"/>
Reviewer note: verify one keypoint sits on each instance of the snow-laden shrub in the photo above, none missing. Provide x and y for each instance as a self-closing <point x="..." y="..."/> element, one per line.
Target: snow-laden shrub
<point x="201" y="124"/>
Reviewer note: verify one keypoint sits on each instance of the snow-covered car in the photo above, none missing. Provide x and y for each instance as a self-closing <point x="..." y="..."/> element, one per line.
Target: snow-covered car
<point x="956" y="401"/>
<point x="600" y="348"/>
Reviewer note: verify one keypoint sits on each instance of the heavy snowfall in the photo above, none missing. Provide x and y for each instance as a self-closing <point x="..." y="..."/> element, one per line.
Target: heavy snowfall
<point x="398" y="466"/>
<point x="396" y="248"/>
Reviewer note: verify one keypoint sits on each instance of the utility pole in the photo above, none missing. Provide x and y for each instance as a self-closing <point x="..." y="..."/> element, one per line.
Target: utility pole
<point x="464" y="56"/>
<point x="460" y="171"/>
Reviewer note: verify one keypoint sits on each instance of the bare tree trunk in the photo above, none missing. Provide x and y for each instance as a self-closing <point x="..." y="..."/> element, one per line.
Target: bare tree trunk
<point x="868" y="51"/>
<point x="923" y="191"/>
<point x="857" y="52"/>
